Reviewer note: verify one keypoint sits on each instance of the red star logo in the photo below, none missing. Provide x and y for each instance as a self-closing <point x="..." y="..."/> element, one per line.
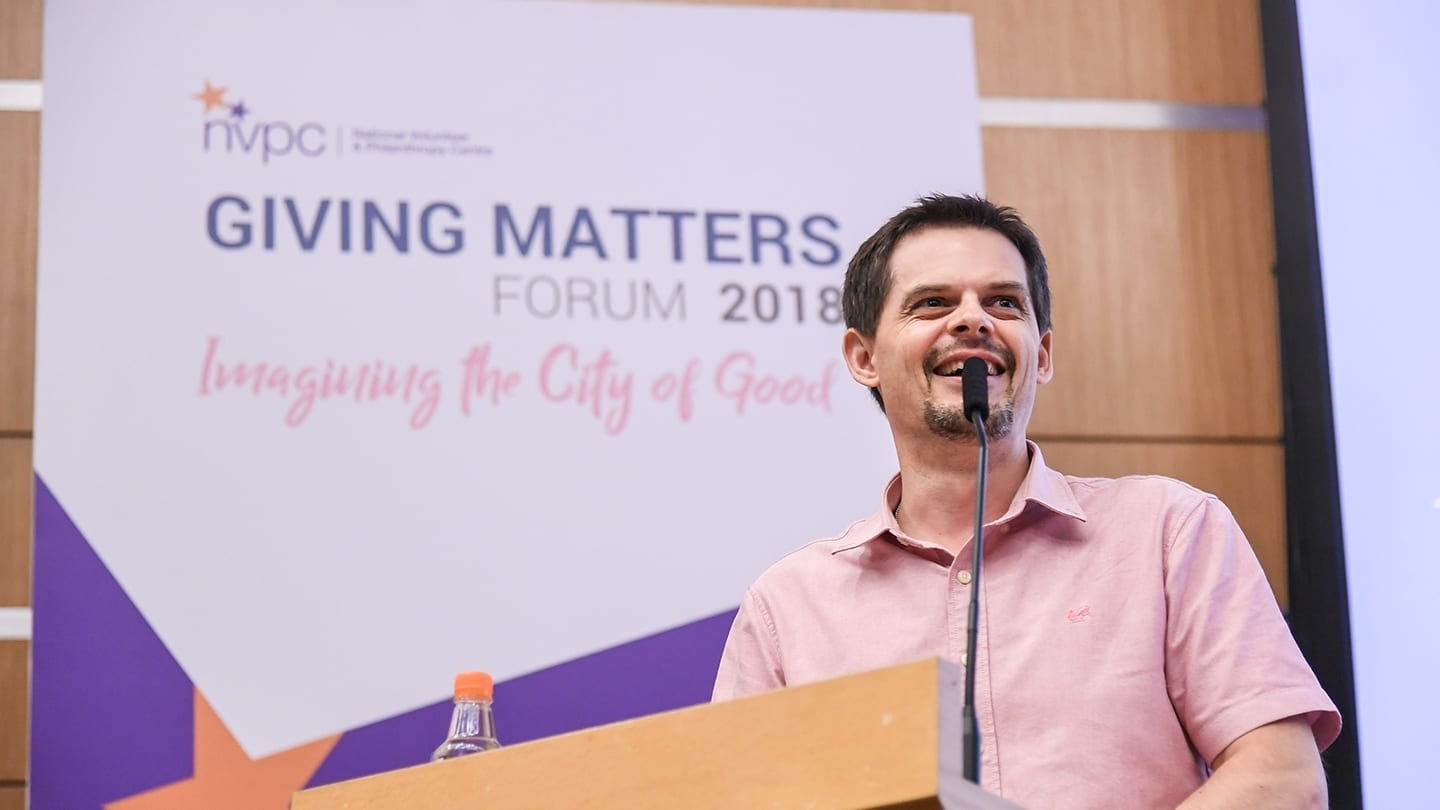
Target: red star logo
<point x="212" y="96"/>
<point x="226" y="778"/>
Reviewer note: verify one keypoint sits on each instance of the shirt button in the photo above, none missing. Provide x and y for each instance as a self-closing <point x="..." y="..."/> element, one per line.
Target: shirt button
<point x="963" y="576"/>
<point x="964" y="659"/>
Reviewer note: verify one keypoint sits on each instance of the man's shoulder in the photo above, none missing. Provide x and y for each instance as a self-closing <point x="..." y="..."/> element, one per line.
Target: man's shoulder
<point x="1170" y="508"/>
<point x="1156" y="491"/>
<point x="1088" y="497"/>
<point x="817" y="557"/>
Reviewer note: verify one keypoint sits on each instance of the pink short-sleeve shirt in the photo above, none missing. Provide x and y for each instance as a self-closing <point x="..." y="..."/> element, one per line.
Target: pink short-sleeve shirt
<point x="1127" y="635"/>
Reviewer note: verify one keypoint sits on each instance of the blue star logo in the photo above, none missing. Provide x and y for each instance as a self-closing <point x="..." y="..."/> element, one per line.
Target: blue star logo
<point x="238" y="111"/>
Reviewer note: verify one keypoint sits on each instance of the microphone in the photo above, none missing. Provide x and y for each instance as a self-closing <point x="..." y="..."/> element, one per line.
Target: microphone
<point x="975" y="388"/>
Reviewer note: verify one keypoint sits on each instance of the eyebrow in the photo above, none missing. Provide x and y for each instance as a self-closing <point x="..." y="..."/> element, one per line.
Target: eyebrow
<point x="1010" y="286"/>
<point x="999" y="286"/>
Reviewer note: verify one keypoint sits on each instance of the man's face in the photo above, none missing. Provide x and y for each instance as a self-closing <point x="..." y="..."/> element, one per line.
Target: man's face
<point x="955" y="293"/>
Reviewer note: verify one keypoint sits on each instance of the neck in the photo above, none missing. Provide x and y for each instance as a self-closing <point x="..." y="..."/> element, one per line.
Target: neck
<point x="939" y="476"/>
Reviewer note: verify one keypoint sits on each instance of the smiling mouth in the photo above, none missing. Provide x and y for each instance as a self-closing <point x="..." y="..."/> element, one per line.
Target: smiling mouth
<point x="957" y="367"/>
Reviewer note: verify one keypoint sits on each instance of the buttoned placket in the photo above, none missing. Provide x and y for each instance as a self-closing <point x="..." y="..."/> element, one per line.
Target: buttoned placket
<point x="959" y="581"/>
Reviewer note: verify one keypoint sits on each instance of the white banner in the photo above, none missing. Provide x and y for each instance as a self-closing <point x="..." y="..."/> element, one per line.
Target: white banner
<point x="380" y="341"/>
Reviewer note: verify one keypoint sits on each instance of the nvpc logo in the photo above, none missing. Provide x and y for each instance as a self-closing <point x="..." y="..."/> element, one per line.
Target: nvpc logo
<point x="230" y="128"/>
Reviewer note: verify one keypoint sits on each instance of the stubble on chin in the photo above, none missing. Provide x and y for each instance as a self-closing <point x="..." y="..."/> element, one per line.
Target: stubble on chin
<point x="949" y="422"/>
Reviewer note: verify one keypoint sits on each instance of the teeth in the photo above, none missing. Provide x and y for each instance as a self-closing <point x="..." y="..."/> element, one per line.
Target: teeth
<point x="954" y="369"/>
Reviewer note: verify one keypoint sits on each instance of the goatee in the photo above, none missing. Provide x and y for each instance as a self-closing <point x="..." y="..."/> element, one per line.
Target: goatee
<point x="950" y="423"/>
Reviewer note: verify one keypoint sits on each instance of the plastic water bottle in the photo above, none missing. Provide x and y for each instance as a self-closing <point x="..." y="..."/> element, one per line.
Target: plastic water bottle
<point x="472" y="724"/>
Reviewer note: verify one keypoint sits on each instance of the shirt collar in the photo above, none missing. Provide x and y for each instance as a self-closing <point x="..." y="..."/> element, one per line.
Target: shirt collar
<point x="1042" y="486"/>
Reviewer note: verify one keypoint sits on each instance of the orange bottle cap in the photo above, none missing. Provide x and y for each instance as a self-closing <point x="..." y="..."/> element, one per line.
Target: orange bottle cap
<point x="474" y="686"/>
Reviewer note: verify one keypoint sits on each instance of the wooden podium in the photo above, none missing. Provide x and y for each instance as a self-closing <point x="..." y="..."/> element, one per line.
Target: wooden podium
<point x="883" y="739"/>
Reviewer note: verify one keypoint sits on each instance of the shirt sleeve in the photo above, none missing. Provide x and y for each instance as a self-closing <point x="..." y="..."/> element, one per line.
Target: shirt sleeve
<point x="1231" y="662"/>
<point x="751" y="660"/>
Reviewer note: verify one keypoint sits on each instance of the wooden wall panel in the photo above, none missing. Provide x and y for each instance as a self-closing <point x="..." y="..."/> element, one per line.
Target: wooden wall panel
<point x="14" y="709"/>
<point x="1197" y="51"/>
<point x="19" y="178"/>
<point x="20" y="38"/>
<point x="1249" y="478"/>
<point x="16" y="503"/>
<point x="1161" y="251"/>
<point x="20" y="47"/>
<point x="1191" y="51"/>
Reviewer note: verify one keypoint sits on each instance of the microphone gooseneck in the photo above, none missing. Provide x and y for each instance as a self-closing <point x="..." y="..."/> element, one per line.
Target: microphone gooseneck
<point x="975" y="386"/>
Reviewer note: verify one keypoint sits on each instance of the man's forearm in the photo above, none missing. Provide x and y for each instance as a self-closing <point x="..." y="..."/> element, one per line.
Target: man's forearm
<point x="1275" y="766"/>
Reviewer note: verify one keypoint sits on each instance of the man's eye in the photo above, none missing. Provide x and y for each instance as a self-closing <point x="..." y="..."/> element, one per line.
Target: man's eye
<point x="1006" y="301"/>
<point x="933" y="302"/>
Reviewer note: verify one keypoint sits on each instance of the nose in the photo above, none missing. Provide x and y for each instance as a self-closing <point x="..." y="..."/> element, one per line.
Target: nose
<point x="971" y="318"/>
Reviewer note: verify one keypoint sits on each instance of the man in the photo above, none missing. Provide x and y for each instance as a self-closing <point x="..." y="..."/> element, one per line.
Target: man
<point x="1130" y="653"/>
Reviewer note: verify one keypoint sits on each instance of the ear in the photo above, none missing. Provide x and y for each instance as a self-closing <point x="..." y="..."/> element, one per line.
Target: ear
<point x="1045" y="361"/>
<point x="860" y="357"/>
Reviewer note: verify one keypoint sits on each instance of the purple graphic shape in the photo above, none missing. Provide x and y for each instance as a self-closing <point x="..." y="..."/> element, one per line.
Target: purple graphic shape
<point x="668" y="670"/>
<point x="112" y="713"/>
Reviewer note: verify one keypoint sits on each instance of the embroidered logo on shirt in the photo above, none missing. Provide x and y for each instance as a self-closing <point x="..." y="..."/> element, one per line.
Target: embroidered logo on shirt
<point x="1077" y="615"/>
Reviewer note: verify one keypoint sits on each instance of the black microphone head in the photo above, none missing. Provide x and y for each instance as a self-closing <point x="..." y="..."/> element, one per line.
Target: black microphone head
<point x="975" y="383"/>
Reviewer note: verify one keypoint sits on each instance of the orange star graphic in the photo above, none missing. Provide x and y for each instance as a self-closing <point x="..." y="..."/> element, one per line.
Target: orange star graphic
<point x="225" y="776"/>
<point x="212" y="96"/>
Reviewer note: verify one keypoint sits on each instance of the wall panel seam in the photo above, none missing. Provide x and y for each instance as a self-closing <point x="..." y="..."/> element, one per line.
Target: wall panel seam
<point x="995" y="111"/>
<point x="1231" y="441"/>
<point x="16" y="623"/>
<point x="1094" y="113"/>
<point x="20" y="96"/>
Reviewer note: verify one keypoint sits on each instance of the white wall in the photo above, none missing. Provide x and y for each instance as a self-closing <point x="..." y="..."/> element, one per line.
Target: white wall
<point x="1371" y="77"/>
